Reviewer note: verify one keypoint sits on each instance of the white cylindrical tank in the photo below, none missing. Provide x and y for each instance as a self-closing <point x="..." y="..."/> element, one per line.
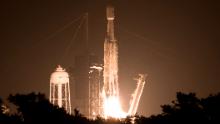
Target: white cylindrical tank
<point x="60" y="76"/>
<point x="60" y="89"/>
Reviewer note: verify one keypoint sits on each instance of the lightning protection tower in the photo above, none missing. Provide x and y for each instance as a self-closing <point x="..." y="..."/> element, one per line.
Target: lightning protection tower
<point x="60" y="89"/>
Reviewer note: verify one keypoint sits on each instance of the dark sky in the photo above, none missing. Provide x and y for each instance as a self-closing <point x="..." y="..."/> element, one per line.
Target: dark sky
<point x="175" y="42"/>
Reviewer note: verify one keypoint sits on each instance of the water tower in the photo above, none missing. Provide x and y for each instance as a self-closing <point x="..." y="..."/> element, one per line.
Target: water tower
<point x="60" y="89"/>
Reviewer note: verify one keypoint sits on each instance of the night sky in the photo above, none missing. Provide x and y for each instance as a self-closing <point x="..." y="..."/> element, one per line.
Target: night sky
<point x="175" y="42"/>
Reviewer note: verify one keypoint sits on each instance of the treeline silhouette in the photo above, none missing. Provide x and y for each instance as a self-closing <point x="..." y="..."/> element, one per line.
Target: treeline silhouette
<point x="36" y="109"/>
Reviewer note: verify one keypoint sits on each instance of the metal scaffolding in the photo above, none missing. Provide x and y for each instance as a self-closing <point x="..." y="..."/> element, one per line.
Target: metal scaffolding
<point x="95" y="88"/>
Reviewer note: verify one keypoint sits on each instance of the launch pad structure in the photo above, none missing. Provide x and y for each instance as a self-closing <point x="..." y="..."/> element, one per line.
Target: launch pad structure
<point x="96" y="86"/>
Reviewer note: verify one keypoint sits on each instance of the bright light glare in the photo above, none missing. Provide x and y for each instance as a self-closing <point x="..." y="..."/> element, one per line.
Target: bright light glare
<point x="112" y="108"/>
